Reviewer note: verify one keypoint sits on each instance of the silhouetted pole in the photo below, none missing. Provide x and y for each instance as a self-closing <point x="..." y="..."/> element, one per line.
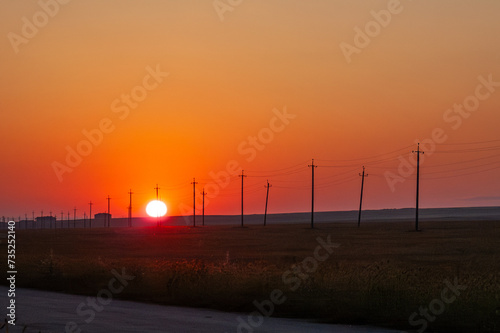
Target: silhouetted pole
<point x="157" y="217"/>
<point x="90" y="213"/>
<point x="363" y="175"/>
<point x="203" y="193"/>
<point x="68" y="219"/>
<point x="242" y="177"/>
<point x="418" y="152"/>
<point x="267" y="199"/>
<point x="312" y="166"/>
<point x="194" y="201"/>
<point x="130" y="208"/>
<point x="33" y="214"/>
<point x="74" y="218"/>
<point x="109" y="212"/>
<point x="62" y="219"/>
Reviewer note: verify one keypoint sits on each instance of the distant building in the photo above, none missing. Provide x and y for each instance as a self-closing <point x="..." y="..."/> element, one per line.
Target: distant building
<point x="102" y="218"/>
<point x="46" y="219"/>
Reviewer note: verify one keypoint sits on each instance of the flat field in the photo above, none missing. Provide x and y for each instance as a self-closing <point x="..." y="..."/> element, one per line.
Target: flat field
<point x="445" y="277"/>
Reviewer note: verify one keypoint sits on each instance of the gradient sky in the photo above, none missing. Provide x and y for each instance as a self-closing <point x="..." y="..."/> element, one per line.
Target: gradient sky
<point x="225" y="78"/>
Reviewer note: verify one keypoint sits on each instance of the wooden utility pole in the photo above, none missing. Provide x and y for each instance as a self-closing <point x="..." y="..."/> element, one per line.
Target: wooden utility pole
<point x="312" y="193"/>
<point x="157" y="199"/>
<point x="109" y="212"/>
<point x="203" y="193"/>
<point x="90" y="214"/>
<point x="363" y="175"/>
<point x="418" y="152"/>
<point x="242" y="177"/>
<point x="129" y="224"/>
<point x="194" y="201"/>
<point x="267" y="199"/>
<point x="157" y="188"/>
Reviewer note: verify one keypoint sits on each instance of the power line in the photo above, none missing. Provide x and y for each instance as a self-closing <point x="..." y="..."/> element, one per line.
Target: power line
<point x="367" y="158"/>
<point x="468" y="143"/>
<point x="467" y="150"/>
<point x="463" y="174"/>
<point x="466" y="168"/>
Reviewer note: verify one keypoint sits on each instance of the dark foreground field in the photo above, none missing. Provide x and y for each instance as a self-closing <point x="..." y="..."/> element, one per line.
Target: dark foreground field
<point x="380" y="274"/>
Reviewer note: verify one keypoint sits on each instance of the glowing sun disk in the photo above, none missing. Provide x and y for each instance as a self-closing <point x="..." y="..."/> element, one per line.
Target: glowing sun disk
<point x="156" y="208"/>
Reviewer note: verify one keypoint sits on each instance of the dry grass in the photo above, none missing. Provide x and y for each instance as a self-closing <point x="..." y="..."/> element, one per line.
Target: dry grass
<point x="379" y="275"/>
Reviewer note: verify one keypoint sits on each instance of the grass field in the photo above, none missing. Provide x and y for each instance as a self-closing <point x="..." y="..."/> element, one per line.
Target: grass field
<point x="380" y="274"/>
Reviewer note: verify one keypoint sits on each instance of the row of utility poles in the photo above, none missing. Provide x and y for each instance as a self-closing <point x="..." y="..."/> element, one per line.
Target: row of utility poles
<point x="363" y="175"/>
<point x="242" y="176"/>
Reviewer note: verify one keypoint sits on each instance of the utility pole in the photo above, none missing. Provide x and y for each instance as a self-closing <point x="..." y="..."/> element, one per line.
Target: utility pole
<point x="109" y="212"/>
<point x="90" y="213"/>
<point x="68" y="219"/>
<point x="267" y="199"/>
<point x="418" y="152"/>
<point x="203" y="193"/>
<point x="62" y="219"/>
<point x="363" y="175"/>
<point x="242" y="177"/>
<point x="312" y="166"/>
<point x="130" y="208"/>
<point x="74" y="217"/>
<point x="194" y="201"/>
<point x="157" y="199"/>
<point x="157" y="188"/>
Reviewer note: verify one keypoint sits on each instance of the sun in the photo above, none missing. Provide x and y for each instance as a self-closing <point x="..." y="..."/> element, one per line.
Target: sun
<point x="156" y="208"/>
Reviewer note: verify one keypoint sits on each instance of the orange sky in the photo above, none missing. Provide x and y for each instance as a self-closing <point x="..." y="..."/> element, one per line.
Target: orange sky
<point x="227" y="81"/>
